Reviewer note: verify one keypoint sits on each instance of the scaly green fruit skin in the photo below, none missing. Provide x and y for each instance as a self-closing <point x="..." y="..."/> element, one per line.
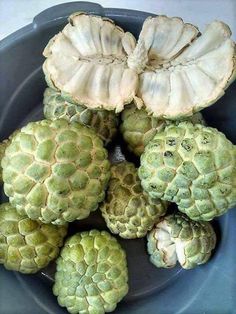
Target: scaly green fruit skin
<point x="26" y="245"/>
<point x="127" y="210"/>
<point x="55" y="171"/>
<point x="92" y="275"/>
<point x="3" y="146"/>
<point x="104" y="122"/>
<point x="138" y="127"/>
<point x="178" y="238"/>
<point x="193" y="166"/>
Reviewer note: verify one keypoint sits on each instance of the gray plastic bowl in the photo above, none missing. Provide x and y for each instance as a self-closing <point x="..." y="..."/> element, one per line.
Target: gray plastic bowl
<point x="207" y="289"/>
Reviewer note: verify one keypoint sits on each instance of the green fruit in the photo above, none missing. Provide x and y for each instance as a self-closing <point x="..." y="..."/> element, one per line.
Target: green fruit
<point x="26" y="245"/>
<point x="55" y="171"/>
<point x="92" y="275"/>
<point x="193" y="166"/>
<point x="104" y="122"/>
<point x="138" y="127"/>
<point x="3" y="146"/>
<point x="177" y="238"/>
<point x="127" y="210"/>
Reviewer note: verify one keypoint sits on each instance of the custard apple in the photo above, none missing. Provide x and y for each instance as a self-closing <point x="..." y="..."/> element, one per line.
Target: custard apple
<point x="127" y="210"/>
<point x="92" y="275"/>
<point x="104" y="122"/>
<point x="172" y="70"/>
<point x="87" y="62"/>
<point x="26" y="245"/>
<point x="177" y="238"/>
<point x="193" y="166"/>
<point x="138" y="127"/>
<point x="181" y="71"/>
<point x="55" y="171"/>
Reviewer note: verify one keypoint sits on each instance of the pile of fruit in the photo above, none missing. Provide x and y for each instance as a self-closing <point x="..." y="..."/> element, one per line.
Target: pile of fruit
<point x="56" y="171"/>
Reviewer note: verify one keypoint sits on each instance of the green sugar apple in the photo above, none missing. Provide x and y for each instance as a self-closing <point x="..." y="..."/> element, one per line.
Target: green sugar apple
<point x="55" y="171"/>
<point x="193" y="166"/>
<point x="176" y="238"/>
<point x="26" y="245"/>
<point x="92" y="275"/>
<point x="127" y="210"/>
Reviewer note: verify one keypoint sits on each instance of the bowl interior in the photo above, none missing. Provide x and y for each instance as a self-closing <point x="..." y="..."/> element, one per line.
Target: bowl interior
<point x="21" y="101"/>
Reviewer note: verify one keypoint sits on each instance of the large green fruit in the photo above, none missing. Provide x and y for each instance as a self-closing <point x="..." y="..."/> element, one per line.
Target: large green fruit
<point x="104" y="122"/>
<point x="177" y="238"/>
<point x="138" y="127"/>
<point x="193" y="166"/>
<point x="92" y="275"/>
<point x="127" y="210"/>
<point x="26" y="245"/>
<point x="55" y="171"/>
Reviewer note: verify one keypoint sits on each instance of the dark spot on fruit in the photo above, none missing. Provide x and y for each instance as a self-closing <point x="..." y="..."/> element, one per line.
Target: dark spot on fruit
<point x="171" y="142"/>
<point x="205" y="140"/>
<point x="168" y="154"/>
<point x="223" y="191"/>
<point x="186" y="146"/>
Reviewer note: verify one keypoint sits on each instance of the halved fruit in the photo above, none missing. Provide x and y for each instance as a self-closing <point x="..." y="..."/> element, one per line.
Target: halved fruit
<point x="181" y="72"/>
<point x="173" y="71"/>
<point x="87" y="62"/>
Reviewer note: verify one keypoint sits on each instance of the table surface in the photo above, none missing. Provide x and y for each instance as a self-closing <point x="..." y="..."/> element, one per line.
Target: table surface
<point x="15" y="14"/>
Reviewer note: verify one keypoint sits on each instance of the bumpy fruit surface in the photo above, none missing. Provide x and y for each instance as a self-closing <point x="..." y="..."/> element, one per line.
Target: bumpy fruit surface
<point x="26" y="245"/>
<point x="127" y="210"/>
<point x="193" y="166"/>
<point x="3" y="146"/>
<point x="104" y="122"/>
<point x="138" y="127"/>
<point x="55" y="171"/>
<point x="177" y="238"/>
<point x="91" y="273"/>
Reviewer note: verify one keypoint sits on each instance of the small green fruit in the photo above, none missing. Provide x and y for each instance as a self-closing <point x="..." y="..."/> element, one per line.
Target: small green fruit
<point x="92" y="275"/>
<point x="26" y="245"/>
<point x="177" y="238"/>
<point x="127" y="210"/>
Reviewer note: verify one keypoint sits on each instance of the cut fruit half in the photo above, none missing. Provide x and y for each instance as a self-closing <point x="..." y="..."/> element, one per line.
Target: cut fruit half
<point x="181" y="72"/>
<point x="87" y="62"/>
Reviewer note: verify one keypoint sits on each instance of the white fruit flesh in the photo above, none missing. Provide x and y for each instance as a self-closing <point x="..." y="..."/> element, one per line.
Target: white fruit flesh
<point x="165" y="244"/>
<point x="182" y="73"/>
<point x="173" y="70"/>
<point x="88" y="61"/>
